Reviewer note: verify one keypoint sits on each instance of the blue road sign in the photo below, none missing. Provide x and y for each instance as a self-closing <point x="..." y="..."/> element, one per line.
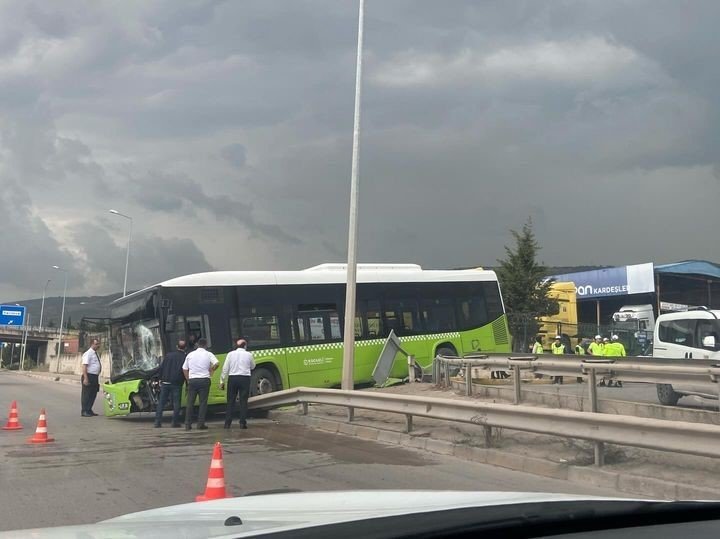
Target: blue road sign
<point x="12" y="315"/>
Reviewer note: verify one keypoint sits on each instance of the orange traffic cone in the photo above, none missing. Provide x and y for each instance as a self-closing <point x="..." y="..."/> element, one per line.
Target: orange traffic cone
<point x="41" y="434"/>
<point x="215" y="488"/>
<point x="13" y="423"/>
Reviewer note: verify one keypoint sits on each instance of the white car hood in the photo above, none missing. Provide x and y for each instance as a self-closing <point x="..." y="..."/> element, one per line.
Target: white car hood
<point x="283" y="512"/>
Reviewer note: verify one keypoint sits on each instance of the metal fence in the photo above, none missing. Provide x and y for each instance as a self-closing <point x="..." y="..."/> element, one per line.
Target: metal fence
<point x="675" y="436"/>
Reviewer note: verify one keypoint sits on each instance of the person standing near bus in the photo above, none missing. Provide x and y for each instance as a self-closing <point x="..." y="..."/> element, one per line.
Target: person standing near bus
<point x="237" y="368"/>
<point x="198" y="368"/>
<point x="171" y="382"/>
<point x="91" y="368"/>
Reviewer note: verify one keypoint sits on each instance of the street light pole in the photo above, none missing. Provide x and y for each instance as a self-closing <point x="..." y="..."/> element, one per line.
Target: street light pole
<point x="348" y="378"/>
<point x="62" y="317"/>
<point x="127" y="252"/>
<point x="42" y="305"/>
<point x="23" y="350"/>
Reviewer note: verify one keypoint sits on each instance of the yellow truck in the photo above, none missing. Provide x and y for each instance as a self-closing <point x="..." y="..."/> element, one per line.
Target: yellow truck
<point x="566" y="321"/>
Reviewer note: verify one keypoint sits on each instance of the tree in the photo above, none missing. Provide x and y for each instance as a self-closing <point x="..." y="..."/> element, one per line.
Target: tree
<point x="524" y="285"/>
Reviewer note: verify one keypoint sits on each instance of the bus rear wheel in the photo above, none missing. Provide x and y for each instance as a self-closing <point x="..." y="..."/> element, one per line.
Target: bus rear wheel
<point x="263" y="381"/>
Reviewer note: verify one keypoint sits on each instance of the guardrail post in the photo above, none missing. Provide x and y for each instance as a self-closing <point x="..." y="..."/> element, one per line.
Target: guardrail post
<point x="468" y="380"/>
<point x="447" y="374"/>
<point x="411" y="369"/>
<point x="304" y="408"/>
<point x="408" y="423"/>
<point x="351" y="414"/>
<point x="516" y="384"/>
<point x="599" y="446"/>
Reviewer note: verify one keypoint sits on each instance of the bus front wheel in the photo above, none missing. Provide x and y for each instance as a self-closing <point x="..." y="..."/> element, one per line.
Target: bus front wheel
<point x="262" y="381"/>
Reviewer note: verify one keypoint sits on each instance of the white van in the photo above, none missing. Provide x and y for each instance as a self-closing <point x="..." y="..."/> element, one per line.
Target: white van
<point x="693" y="334"/>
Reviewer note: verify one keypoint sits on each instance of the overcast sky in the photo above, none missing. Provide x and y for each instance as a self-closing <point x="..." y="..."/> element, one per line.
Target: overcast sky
<point x="224" y="130"/>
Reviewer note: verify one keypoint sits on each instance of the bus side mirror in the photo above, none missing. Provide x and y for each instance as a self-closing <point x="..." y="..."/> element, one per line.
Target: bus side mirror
<point x="709" y="342"/>
<point x="170" y="323"/>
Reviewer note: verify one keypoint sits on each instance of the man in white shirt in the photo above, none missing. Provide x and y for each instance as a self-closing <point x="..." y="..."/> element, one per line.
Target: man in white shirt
<point x="237" y="368"/>
<point x="90" y="379"/>
<point x="198" y="368"/>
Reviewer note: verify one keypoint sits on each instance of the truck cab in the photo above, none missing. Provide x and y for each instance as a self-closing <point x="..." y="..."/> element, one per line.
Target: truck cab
<point x="636" y="323"/>
<point x="635" y="317"/>
<point x="693" y="334"/>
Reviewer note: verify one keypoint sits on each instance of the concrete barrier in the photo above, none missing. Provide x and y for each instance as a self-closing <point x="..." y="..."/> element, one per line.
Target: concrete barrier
<point x="72" y="364"/>
<point x="581" y="403"/>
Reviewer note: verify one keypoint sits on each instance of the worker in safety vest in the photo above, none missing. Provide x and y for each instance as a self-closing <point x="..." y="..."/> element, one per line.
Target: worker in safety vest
<point x="580" y="351"/>
<point x="557" y="348"/>
<point x="537" y="347"/>
<point x="596" y="347"/>
<point x="615" y="349"/>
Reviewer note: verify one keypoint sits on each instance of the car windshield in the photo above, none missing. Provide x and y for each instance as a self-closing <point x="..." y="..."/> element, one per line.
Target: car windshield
<point x="355" y="245"/>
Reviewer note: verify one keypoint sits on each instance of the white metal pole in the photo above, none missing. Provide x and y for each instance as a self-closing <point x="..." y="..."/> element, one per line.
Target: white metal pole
<point x="62" y="319"/>
<point x="42" y="305"/>
<point x="127" y="252"/>
<point x="348" y="379"/>
<point x="24" y="343"/>
<point x="127" y="258"/>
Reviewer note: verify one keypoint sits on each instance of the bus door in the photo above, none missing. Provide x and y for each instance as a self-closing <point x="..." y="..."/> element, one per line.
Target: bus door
<point x="316" y="357"/>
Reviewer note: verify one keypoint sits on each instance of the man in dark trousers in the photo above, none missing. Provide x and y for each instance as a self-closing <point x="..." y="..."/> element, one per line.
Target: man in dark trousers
<point x="90" y="379"/>
<point x="171" y="383"/>
<point x="237" y="368"/>
<point x="198" y="368"/>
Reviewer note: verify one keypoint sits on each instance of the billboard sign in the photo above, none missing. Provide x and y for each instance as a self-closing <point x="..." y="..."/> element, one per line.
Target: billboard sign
<point x="620" y="281"/>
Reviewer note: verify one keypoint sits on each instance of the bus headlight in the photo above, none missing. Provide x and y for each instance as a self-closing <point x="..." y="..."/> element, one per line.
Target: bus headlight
<point x="110" y="400"/>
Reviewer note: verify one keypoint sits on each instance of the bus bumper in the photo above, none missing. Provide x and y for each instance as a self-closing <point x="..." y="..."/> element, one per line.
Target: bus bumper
<point x="116" y="397"/>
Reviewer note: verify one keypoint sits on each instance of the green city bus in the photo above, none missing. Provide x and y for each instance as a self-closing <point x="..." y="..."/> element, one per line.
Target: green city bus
<point x="293" y="321"/>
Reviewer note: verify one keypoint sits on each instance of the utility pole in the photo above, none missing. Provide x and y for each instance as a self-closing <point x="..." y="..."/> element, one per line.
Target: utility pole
<point x="348" y="378"/>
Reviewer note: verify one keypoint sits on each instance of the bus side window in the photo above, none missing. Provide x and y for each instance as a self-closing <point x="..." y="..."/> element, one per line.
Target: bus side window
<point x="260" y="324"/>
<point x="472" y="312"/>
<point x="374" y="320"/>
<point x="318" y="323"/>
<point x="199" y="327"/>
<point x="439" y="315"/>
<point x="402" y="317"/>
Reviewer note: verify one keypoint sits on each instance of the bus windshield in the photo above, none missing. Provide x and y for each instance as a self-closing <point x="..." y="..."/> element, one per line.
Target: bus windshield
<point x="136" y="346"/>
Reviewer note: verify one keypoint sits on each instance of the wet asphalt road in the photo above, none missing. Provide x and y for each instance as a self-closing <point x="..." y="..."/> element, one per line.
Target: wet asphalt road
<point x="631" y="391"/>
<point x="100" y="468"/>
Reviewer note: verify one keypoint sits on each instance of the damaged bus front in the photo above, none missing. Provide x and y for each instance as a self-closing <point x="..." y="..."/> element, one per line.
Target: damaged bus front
<point x="137" y="349"/>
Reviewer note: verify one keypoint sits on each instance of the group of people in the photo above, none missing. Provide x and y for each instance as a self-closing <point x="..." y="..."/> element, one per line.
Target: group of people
<point x="190" y="363"/>
<point x="600" y="346"/>
<point x="195" y="368"/>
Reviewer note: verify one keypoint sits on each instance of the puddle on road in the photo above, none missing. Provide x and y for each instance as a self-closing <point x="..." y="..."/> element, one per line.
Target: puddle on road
<point x="171" y="443"/>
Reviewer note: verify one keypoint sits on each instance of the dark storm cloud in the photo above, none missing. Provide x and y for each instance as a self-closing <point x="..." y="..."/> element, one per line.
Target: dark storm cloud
<point x="28" y="248"/>
<point x="180" y="194"/>
<point x="152" y="259"/>
<point x="598" y="119"/>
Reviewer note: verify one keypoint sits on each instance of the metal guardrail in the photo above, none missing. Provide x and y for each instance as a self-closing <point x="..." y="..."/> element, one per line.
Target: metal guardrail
<point x="628" y="369"/>
<point x="674" y="436"/>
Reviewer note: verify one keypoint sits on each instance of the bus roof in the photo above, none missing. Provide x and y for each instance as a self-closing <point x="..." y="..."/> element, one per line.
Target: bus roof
<point x="323" y="274"/>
